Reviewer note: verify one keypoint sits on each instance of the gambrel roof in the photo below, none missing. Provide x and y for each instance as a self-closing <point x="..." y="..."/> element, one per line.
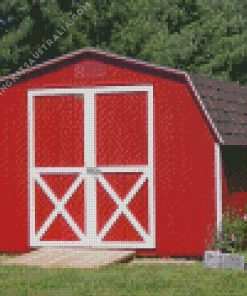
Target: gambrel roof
<point x="224" y="104"/>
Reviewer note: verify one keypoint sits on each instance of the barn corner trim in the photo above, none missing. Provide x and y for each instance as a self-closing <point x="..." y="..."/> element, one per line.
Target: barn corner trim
<point x="218" y="185"/>
<point x="129" y="61"/>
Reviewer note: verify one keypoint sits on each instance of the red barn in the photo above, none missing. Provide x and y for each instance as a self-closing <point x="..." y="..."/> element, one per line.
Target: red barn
<point x="104" y="151"/>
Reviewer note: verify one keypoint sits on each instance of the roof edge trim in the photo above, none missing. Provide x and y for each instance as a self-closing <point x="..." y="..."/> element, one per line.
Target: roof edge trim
<point x="82" y="51"/>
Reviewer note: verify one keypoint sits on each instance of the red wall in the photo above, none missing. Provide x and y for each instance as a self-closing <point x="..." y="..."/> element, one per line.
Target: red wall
<point x="184" y="160"/>
<point x="235" y="201"/>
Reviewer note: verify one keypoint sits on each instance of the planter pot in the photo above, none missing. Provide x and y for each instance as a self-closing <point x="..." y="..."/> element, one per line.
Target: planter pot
<point x="216" y="259"/>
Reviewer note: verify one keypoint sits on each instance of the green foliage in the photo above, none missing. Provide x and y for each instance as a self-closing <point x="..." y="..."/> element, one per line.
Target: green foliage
<point x="233" y="237"/>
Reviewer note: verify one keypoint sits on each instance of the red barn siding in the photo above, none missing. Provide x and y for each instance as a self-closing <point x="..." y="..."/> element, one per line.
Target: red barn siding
<point x="184" y="159"/>
<point x="14" y="197"/>
<point x="4" y="174"/>
<point x="236" y="201"/>
<point x="184" y="173"/>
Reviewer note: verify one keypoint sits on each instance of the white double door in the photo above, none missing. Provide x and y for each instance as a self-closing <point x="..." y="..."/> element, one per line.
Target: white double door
<point x="93" y="175"/>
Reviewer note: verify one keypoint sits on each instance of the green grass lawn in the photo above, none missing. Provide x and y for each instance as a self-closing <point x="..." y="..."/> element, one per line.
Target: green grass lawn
<point x="123" y="279"/>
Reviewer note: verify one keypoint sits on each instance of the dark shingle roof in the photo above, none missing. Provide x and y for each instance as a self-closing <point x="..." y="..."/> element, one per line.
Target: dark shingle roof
<point x="226" y="104"/>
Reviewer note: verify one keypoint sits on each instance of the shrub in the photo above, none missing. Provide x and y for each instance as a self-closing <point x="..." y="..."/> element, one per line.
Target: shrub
<point x="233" y="237"/>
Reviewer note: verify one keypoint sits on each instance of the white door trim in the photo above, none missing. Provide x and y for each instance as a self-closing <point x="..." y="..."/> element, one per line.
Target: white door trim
<point x="91" y="238"/>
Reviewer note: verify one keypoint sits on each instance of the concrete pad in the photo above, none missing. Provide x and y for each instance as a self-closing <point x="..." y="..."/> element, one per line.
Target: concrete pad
<point x="61" y="257"/>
